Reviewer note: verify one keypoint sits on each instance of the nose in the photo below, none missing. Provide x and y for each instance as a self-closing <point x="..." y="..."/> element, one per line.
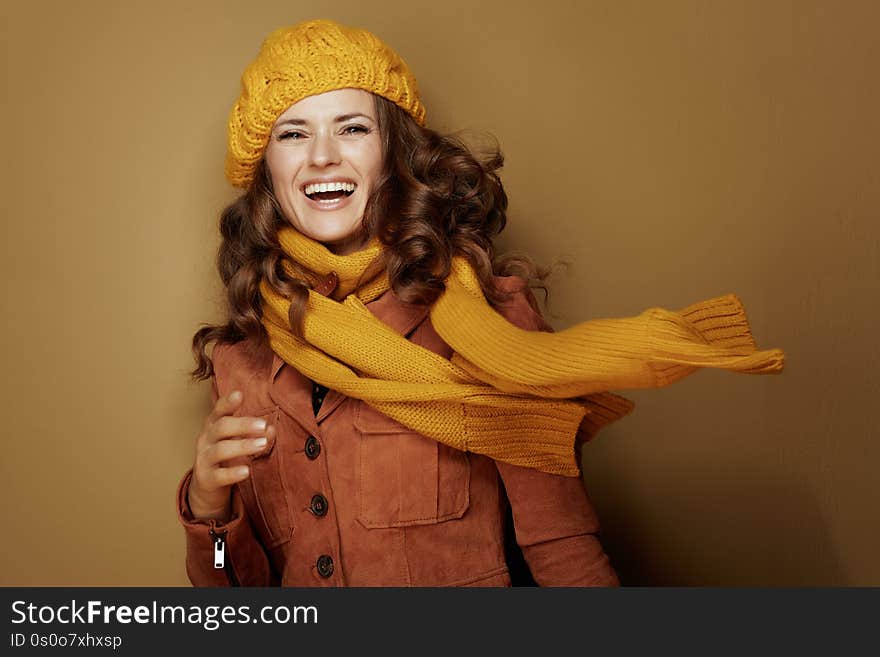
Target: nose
<point x="325" y="150"/>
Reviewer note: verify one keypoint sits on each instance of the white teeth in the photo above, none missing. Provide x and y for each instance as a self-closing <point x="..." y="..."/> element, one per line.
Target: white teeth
<point x="336" y="186"/>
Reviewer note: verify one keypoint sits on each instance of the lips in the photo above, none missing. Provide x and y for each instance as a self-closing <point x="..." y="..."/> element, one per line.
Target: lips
<point x="329" y="196"/>
<point x="331" y="190"/>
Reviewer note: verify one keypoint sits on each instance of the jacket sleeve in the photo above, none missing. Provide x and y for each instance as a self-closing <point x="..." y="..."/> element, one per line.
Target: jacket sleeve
<point x="247" y="563"/>
<point x="556" y="526"/>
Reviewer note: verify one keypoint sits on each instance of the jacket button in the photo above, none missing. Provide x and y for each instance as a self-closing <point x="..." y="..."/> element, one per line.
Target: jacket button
<point x="313" y="448"/>
<point x="318" y="505"/>
<point x="325" y="565"/>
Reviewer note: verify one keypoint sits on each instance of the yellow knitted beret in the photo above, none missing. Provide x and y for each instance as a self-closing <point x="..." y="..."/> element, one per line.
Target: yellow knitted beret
<point x="303" y="60"/>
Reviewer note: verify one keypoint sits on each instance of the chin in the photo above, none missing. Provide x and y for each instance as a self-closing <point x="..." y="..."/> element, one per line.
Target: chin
<point x="330" y="239"/>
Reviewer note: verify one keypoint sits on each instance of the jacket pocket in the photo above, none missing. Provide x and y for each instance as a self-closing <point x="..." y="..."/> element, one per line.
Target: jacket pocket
<point x="405" y="478"/>
<point x="264" y="492"/>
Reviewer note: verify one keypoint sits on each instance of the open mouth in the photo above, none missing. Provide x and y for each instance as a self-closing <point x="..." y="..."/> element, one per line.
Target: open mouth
<point x="330" y="191"/>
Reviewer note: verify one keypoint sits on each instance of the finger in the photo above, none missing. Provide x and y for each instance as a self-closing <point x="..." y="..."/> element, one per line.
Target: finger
<point x="226" y="450"/>
<point x="225" y="406"/>
<point x="230" y="426"/>
<point x="224" y="477"/>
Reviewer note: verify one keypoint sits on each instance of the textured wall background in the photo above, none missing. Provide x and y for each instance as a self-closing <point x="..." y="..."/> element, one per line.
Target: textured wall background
<point x="671" y="151"/>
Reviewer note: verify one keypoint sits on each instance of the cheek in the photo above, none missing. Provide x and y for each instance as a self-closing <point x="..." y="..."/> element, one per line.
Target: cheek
<point x="274" y="169"/>
<point x="374" y="168"/>
<point x="282" y="168"/>
<point x="366" y="158"/>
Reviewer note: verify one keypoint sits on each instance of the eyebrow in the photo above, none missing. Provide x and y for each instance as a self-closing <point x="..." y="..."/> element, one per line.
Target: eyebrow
<point x="339" y="119"/>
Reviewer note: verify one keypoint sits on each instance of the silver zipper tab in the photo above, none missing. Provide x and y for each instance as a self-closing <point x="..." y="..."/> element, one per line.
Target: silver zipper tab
<point x="219" y="548"/>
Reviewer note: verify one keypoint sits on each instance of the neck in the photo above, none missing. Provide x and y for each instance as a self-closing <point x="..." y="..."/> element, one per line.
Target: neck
<point x="346" y="246"/>
<point x="350" y="243"/>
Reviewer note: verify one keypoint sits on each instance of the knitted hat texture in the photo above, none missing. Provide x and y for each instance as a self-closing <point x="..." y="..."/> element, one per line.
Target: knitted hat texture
<point x="304" y="60"/>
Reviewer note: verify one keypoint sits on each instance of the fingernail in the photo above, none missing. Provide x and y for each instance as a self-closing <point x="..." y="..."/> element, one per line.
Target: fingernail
<point x="241" y="471"/>
<point x="259" y="442"/>
<point x="235" y="395"/>
<point x="259" y="425"/>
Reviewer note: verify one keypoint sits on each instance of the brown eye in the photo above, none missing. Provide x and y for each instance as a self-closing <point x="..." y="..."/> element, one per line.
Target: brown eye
<point x="354" y="129"/>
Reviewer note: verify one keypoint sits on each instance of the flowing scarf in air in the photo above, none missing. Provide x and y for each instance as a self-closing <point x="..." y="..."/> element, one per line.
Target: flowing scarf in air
<point x="514" y="395"/>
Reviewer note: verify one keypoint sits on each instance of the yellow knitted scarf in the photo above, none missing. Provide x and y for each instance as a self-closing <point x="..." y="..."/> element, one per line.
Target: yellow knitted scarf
<point x="514" y="395"/>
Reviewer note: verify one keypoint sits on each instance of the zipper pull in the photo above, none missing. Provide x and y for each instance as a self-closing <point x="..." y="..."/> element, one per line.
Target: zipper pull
<point x="219" y="548"/>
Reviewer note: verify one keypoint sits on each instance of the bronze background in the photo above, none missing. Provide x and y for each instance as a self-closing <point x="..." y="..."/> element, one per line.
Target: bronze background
<point x="671" y="151"/>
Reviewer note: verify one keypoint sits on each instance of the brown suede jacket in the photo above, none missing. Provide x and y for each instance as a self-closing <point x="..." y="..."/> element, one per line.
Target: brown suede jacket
<point x="354" y="498"/>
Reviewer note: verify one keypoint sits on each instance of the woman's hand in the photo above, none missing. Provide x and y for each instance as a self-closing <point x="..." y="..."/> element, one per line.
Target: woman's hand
<point x="224" y="438"/>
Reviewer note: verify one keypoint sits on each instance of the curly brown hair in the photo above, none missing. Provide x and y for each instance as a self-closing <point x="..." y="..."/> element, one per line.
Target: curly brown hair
<point x="435" y="199"/>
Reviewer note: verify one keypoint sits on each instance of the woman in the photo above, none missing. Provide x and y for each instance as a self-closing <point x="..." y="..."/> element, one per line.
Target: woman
<point x="385" y="399"/>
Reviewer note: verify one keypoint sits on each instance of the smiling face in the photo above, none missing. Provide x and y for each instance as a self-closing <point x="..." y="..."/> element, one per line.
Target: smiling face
<point x="324" y="158"/>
